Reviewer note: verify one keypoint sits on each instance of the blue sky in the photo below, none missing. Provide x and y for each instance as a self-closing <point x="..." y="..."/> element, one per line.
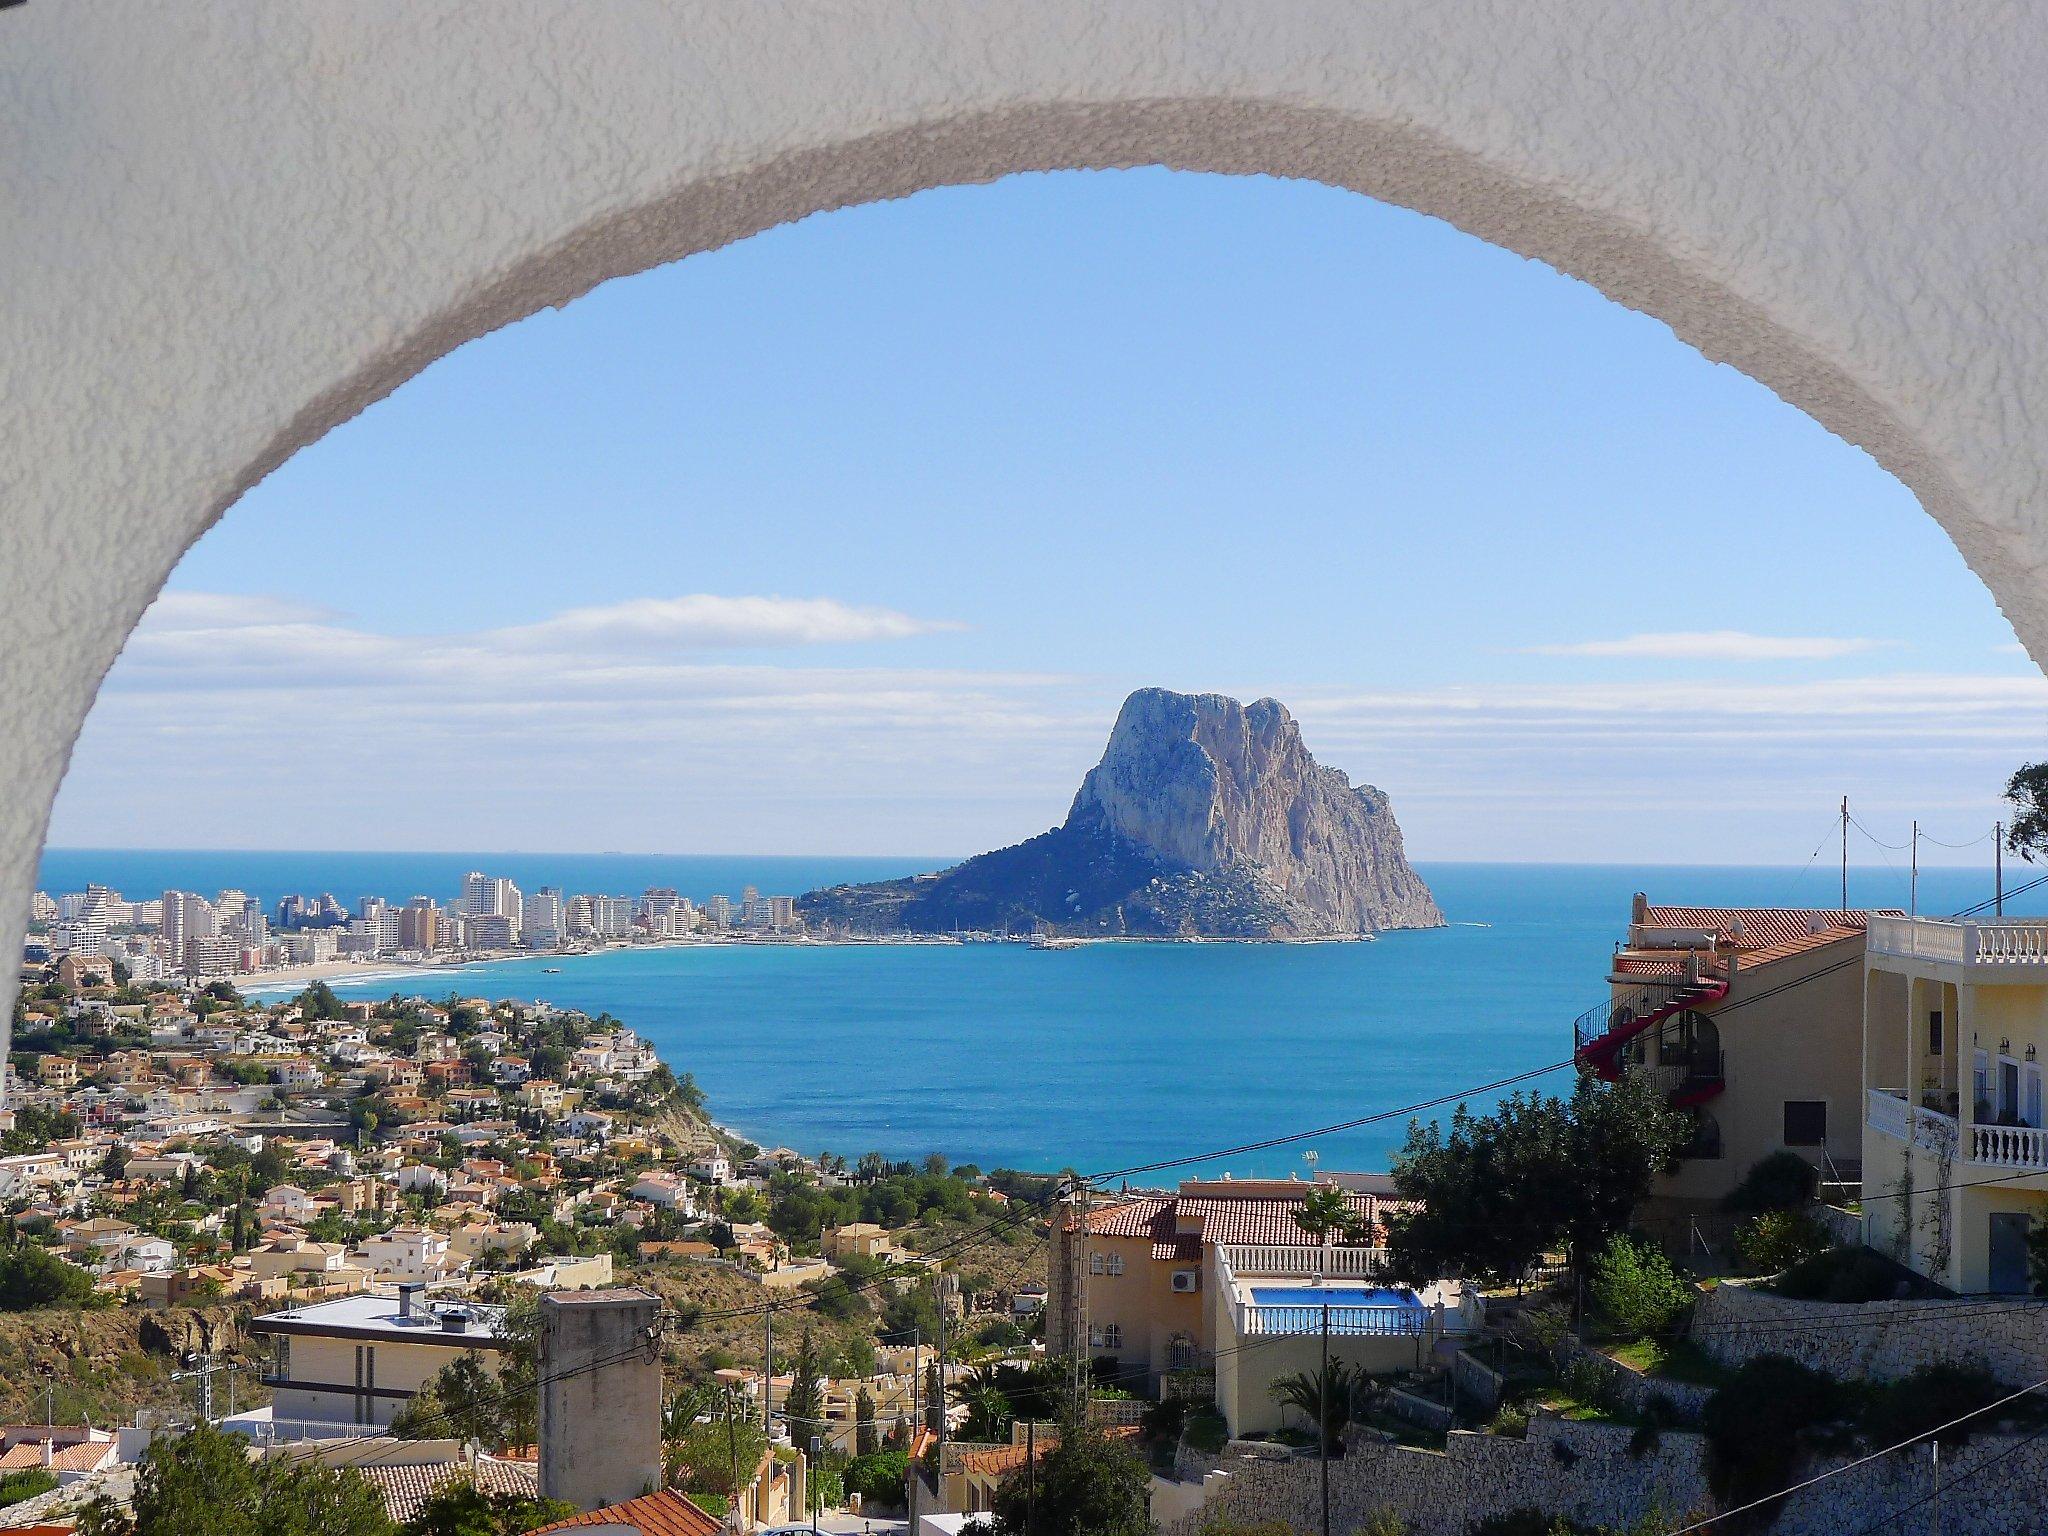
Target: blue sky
<point x="850" y="538"/>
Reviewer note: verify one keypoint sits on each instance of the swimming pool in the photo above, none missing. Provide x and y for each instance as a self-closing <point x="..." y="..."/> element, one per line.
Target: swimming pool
<point x="1336" y="1296"/>
<point x="1351" y="1309"/>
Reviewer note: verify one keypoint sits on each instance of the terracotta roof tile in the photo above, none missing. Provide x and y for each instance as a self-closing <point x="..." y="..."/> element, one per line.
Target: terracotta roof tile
<point x="406" y="1488"/>
<point x="666" y="1513"/>
<point x="1755" y="927"/>
<point x="1267" y="1221"/>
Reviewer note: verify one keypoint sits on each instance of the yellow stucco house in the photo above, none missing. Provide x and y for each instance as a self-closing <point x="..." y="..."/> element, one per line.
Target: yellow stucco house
<point x="1955" y="1145"/>
<point x="1750" y="1020"/>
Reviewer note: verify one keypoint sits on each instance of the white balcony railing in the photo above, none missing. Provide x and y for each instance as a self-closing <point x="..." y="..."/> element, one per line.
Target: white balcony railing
<point x="2009" y="1146"/>
<point x="1993" y="1146"/>
<point x="1304" y="1259"/>
<point x="1927" y="938"/>
<point x="1889" y="1115"/>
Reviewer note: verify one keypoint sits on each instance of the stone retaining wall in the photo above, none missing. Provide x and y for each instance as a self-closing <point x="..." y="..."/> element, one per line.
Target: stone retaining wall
<point x="1588" y="1473"/>
<point x="1635" y="1391"/>
<point x="1475" y="1385"/>
<point x="1881" y="1340"/>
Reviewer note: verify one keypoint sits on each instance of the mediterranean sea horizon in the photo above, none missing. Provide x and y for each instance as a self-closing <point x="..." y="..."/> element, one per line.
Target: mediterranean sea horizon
<point x="1093" y="1058"/>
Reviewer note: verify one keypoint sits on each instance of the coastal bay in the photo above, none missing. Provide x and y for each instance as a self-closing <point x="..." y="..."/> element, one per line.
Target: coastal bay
<point x="1111" y="1055"/>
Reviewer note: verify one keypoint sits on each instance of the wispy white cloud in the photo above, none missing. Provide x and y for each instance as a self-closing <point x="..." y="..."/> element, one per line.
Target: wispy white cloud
<point x="175" y="610"/>
<point x="703" y="620"/>
<point x="1714" y="645"/>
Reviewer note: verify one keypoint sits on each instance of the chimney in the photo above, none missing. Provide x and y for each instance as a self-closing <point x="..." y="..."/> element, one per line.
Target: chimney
<point x="408" y="1293"/>
<point x="600" y="1403"/>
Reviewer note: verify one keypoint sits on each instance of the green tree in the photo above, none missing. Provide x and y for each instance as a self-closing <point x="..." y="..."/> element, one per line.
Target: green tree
<point x="1499" y="1191"/>
<point x="1335" y="1395"/>
<point x="867" y="1434"/>
<point x="205" y="1483"/>
<point x="2027" y="791"/>
<point x="1086" y="1485"/>
<point x="718" y="1455"/>
<point x="804" y="1405"/>
<point x="1634" y="1287"/>
<point x="33" y="1277"/>
<point x="462" y="1402"/>
<point x="462" y="1509"/>
<point x="1324" y="1213"/>
<point x="989" y="1412"/>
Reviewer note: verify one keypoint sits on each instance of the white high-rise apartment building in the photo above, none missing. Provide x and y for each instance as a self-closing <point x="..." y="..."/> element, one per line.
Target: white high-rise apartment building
<point x="718" y="911"/>
<point x="612" y="916"/>
<point x="579" y="917"/>
<point x="544" y="919"/>
<point x="782" y="913"/>
<point x="187" y="917"/>
<point x="492" y="896"/>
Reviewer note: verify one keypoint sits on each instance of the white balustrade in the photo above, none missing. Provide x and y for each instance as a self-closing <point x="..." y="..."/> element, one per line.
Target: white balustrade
<point x="2011" y="943"/>
<point x="1927" y="938"/>
<point x="1378" y="1319"/>
<point x="1888" y="1114"/>
<point x="1933" y="1131"/>
<point x="1338" y="1263"/>
<point x="2009" y="1146"/>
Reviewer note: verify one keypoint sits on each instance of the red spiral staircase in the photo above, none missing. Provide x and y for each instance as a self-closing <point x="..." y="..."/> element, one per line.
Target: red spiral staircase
<point x="1601" y="1032"/>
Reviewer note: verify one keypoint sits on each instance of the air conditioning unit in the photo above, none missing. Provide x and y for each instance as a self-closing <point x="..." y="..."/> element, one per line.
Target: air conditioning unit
<point x="1187" y="1279"/>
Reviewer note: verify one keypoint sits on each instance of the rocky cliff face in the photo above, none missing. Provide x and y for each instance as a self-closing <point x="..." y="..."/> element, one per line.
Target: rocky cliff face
<point x="1221" y="787"/>
<point x="1204" y="818"/>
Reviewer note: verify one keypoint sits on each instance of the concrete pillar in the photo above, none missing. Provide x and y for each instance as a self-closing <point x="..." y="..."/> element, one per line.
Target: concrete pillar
<point x="600" y="1396"/>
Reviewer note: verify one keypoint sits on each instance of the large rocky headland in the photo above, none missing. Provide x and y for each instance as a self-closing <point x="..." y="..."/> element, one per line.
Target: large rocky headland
<point x="1205" y="818"/>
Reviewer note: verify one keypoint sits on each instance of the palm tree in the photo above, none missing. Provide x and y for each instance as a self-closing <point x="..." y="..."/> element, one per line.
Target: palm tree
<point x="1336" y="1399"/>
<point x="989" y="1411"/>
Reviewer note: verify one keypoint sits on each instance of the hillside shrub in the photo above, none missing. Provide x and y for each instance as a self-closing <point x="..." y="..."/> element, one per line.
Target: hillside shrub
<point x="1759" y="1425"/>
<point x="1918" y="1404"/>
<point x="1845" y="1275"/>
<point x="878" y="1478"/>
<point x="1777" y="1240"/>
<point x="1634" y="1288"/>
<point x="1783" y="1181"/>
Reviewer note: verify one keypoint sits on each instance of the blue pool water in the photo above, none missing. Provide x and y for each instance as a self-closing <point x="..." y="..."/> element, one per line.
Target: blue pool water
<point x="1312" y="1296"/>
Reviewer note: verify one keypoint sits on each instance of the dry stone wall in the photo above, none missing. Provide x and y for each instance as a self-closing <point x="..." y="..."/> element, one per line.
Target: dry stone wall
<point x="1879" y="1340"/>
<point x="1595" y="1474"/>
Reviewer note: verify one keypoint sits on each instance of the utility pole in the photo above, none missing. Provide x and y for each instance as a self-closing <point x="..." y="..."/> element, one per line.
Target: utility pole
<point x="1914" y="903"/>
<point x="1998" y="868"/>
<point x="1934" y="1519"/>
<point x="1845" y="853"/>
<point x="1077" y="1289"/>
<point x="940" y="1300"/>
<point x="916" y="1381"/>
<point x="204" y="1376"/>
<point x="1323" y="1428"/>
<point x="732" y="1441"/>
<point x="767" y="1371"/>
<point x="1030" y="1477"/>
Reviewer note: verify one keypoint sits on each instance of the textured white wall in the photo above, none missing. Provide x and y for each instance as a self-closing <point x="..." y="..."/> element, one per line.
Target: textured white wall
<point x="226" y="225"/>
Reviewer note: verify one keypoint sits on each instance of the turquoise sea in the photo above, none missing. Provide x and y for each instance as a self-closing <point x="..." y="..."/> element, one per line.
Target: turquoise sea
<point x="1096" y="1058"/>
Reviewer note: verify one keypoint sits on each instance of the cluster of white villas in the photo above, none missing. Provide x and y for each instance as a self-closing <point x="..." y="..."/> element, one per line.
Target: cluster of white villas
<point x="1955" y="1150"/>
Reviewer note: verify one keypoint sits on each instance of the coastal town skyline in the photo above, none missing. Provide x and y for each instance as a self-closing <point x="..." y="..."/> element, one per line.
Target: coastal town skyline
<point x="853" y="574"/>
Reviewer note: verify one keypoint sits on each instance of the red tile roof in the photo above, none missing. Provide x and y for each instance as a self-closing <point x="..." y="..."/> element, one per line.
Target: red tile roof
<point x="1752" y="958"/>
<point x="1755" y="927"/>
<point x="84" y="1456"/>
<point x="666" y="1513"/>
<point x="406" y="1488"/>
<point x="1267" y="1221"/>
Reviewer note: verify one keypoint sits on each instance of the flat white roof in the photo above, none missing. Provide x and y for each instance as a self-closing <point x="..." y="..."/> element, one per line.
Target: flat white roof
<point x="472" y="1325"/>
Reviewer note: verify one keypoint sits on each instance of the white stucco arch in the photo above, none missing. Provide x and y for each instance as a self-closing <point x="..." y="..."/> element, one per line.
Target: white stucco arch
<point x="227" y="225"/>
